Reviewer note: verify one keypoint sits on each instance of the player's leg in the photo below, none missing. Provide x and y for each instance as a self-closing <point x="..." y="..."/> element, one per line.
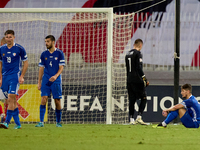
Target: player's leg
<point x="187" y="119"/>
<point x="42" y="111"/>
<point x="12" y="102"/>
<point x="5" y="107"/>
<point x="170" y="117"/>
<point x="15" y="111"/>
<point x="45" y="92"/>
<point x="143" y="102"/>
<point x="5" y="88"/>
<point x="58" y="112"/>
<point x="11" y="111"/>
<point x="132" y="100"/>
<point x="57" y="95"/>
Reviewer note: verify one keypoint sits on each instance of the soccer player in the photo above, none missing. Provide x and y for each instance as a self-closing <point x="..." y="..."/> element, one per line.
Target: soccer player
<point x="136" y="82"/>
<point x="51" y="66"/>
<point x="188" y="110"/>
<point x="11" y="75"/>
<point x="3" y="41"/>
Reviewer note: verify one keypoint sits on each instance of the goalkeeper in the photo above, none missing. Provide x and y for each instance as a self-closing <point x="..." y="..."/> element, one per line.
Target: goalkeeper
<point x="136" y="82"/>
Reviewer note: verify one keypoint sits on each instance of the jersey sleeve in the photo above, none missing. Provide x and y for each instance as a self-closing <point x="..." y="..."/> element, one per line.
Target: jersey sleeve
<point x="41" y="63"/>
<point x="139" y="64"/>
<point x="62" y="59"/>
<point x="187" y="103"/>
<point x="23" y="54"/>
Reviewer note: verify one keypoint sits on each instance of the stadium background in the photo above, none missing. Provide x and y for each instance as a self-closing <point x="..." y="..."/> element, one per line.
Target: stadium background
<point x="158" y="52"/>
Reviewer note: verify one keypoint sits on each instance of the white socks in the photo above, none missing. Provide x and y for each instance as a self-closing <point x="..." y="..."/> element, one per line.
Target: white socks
<point x="164" y="124"/>
<point x="132" y="120"/>
<point x="139" y="117"/>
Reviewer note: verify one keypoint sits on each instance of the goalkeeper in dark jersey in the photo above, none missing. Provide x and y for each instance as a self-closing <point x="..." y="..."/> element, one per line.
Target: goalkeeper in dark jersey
<point x="136" y="82"/>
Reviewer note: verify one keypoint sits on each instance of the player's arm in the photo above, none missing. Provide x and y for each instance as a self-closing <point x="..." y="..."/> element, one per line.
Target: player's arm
<point x="25" y="67"/>
<point x="173" y="108"/>
<point x="41" y="72"/>
<point x="140" y="70"/>
<point x="53" y="78"/>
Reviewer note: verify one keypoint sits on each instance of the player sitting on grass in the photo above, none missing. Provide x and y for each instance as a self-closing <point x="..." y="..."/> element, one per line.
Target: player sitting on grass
<point x="188" y="110"/>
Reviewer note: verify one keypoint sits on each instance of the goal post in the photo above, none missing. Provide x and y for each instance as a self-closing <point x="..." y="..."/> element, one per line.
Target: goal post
<point x="94" y="41"/>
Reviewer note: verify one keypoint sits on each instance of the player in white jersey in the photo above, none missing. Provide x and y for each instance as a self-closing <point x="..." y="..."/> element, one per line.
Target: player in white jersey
<point x="51" y="66"/>
<point x="11" y="55"/>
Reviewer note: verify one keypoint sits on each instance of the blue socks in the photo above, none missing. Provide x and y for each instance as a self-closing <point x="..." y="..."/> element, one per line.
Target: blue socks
<point x="9" y="116"/>
<point x="16" y="116"/>
<point x="42" y="112"/>
<point x="58" y="115"/>
<point x="171" y="116"/>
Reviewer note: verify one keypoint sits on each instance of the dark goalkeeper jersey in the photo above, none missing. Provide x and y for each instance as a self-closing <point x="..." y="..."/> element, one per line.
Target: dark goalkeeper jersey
<point x="134" y="64"/>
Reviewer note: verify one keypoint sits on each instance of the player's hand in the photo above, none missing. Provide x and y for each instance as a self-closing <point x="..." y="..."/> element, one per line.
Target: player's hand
<point x="165" y="113"/>
<point x="39" y="86"/>
<point x="21" y="80"/>
<point x="146" y="83"/>
<point x="53" y="78"/>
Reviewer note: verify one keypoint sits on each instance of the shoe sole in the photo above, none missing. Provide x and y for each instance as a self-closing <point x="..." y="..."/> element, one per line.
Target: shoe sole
<point x="3" y="126"/>
<point x="141" y="123"/>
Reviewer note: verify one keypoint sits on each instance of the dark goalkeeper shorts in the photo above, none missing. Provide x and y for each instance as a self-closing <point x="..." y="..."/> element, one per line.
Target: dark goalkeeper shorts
<point x="136" y="90"/>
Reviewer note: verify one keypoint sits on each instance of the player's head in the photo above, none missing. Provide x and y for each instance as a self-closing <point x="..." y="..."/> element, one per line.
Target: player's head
<point x="9" y="37"/>
<point x="3" y="41"/>
<point x="186" y="90"/>
<point x="138" y="44"/>
<point x="50" y="41"/>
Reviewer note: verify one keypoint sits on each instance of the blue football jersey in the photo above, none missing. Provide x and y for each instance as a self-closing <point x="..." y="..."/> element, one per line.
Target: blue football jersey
<point x="193" y="108"/>
<point x="51" y="63"/>
<point x="12" y="58"/>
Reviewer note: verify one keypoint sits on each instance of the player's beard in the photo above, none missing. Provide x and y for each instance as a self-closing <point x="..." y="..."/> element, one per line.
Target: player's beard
<point x="49" y="47"/>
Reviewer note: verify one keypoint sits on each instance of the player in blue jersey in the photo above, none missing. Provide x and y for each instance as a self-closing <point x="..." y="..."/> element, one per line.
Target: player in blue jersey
<point x="188" y="110"/>
<point x="51" y="66"/>
<point x="11" y="57"/>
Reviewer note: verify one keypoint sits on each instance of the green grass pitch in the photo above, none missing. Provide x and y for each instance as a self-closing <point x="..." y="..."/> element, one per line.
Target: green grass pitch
<point x="99" y="137"/>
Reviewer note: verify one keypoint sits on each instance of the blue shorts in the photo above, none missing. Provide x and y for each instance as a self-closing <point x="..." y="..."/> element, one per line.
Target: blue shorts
<point x="188" y="122"/>
<point x="10" y="84"/>
<point x="54" y="88"/>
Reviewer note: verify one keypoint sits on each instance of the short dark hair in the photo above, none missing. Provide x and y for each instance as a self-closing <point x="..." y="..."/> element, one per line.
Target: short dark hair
<point x="187" y="87"/>
<point x="50" y="37"/>
<point x="138" y="41"/>
<point x="9" y="32"/>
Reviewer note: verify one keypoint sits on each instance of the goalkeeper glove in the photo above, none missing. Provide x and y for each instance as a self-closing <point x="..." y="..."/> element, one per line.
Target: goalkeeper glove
<point x="146" y="83"/>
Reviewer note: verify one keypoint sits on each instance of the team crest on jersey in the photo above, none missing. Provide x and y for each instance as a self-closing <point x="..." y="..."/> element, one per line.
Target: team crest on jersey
<point x="56" y="58"/>
<point x="45" y="58"/>
<point x="3" y="54"/>
<point x="140" y="59"/>
<point x="14" y="54"/>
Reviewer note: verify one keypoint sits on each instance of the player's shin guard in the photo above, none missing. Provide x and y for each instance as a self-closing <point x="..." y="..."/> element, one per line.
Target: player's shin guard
<point x="42" y="112"/>
<point x="16" y="116"/>
<point x="58" y="115"/>
<point x="9" y="116"/>
<point x="171" y="116"/>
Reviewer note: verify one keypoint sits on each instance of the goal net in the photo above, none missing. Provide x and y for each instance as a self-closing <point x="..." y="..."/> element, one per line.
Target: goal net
<point x="94" y="78"/>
